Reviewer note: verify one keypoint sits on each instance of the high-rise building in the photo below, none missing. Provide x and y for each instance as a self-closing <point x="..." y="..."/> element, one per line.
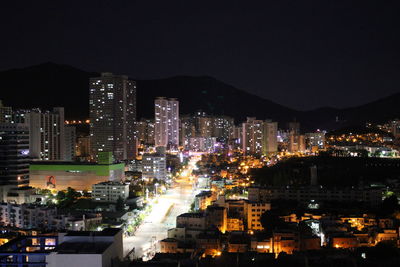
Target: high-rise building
<point x="252" y="136"/>
<point x="144" y="131"/>
<point x="166" y="126"/>
<point x="270" y="137"/>
<point x="46" y="132"/>
<point x="70" y="142"/>
<point x="112" y="115"/>
<point x="83" y="147"/>
<point x="14" y="154"/>
<point x="5" y="113"/>
<point x="315" y="141"/>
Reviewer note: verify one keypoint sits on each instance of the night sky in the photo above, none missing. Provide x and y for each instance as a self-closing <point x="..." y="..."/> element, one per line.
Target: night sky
<point x="302" y="54"/>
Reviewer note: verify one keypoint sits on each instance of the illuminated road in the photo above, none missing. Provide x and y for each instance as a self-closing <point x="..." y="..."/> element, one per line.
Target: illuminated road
<point x="175" y="201"/>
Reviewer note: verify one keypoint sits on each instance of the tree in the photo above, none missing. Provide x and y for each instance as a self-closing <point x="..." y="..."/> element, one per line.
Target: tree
<point x="119" y="206"/>
<point x="271" y="221"/>
<point x="390" y="205"/>
<point x="61" y="195"/>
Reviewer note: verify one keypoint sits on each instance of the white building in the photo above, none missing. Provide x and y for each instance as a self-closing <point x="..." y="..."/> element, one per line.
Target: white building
<point x="19" y="195"/>
<point x="110" y="191"/>
<point x="252" y="136"/>
<point x="259" y="137"/>
<point x="26" y="216"/>
<point x="46" y="132"/>
<point x="166" y="128"/>
<point x="154" y="166"/>
<point x="91" y="249"/>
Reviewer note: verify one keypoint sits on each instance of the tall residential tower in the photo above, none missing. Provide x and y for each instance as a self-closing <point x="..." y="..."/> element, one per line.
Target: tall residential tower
<point x="166" y="128"/>
<point x="112" y="115"/>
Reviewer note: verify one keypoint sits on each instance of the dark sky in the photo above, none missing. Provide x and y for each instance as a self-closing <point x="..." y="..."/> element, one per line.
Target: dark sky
<point x="303" y="54"/>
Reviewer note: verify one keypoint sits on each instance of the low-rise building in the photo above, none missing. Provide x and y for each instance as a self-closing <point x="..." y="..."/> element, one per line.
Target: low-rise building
<point x="195" y="221"/>
<point x="89" y="249"/>
<point x="202" y="200"/>
<point x="110" y="191"/>
<point x="254" y="212"/>
<point x="307" y="194"/>
<point x="19" y="195"/>
<point x="78" y="175"/>
<point x="154" y="166"/>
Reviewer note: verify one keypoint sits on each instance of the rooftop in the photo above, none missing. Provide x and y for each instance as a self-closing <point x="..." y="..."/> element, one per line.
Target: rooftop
<point x="82" y="247"/>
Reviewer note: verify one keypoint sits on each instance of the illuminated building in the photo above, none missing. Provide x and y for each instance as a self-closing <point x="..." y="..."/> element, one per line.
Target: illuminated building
<point x="270" y="137"/>
<point x="110" y="191"/>
<point x="305" y="194"/>
<point x="315" y="140"/>
<point x="259" y="137"/>
<point x="144" y="131"/>
<point x="154" y="166"/>
<point x="395" y="128"/>
<point x="202" y="200"/>
<point x="19" y="195"/>
<point x="14" y="154"/>
<point x="78" y="175"/>
<point x="70" y="142"/>
<point x="202" y="144"/>
<point x="205" y="126"/>
<point x="252" y="136"/>
<point x="46" y="132"/>
<point x="254" y="212"/>
<point x="75" y="248"/>
<point x="83" y="147"/>
<point x="5" y="113"/>
<point x="166" y="128"/>
<point x="216" y="217"/>
<point x="112" y="105"/>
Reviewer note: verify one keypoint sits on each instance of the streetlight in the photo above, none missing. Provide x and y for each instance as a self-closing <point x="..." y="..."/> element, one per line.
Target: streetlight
<point x="156" y="185"/>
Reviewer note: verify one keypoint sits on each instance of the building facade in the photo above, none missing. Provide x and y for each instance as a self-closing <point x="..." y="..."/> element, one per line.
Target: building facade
<point x="166" y="119"/>
<point x="154" y="166"/>
<point x="112" y="105"/>
<point x="14" y="154"/>
<point x="110" y="191"/>
<point x="80" y="176"/>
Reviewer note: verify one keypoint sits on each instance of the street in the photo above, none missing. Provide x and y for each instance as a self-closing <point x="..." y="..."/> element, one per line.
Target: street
<point x="166" y="208"/>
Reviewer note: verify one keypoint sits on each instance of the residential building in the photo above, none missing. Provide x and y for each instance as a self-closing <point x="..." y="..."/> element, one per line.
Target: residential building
<point x="203" y="200"/>
<point x="166" y="128"/>
<point x="14" y="154"/>
<point x="270" y="137"/>
<point x="315" y="141"/>
<point x="46" y="132"/>
<point x="254" y="212"/>
<point x="112" y="103"/>
<point x="89" y="249"/>
<point x="154" y="166"/>
<point x="216" y="217"/>
<point x="195" y="221"/>
<point x="83" y="147"/>
<point x="5" y="113"/>
<point x="110" y="191"/>
<point x="19" y="195"/>
<point x="306" y="194"/>
<point x="70" y="142"/>
<point x="252" y="136"/>
<point x="144" y="131"/>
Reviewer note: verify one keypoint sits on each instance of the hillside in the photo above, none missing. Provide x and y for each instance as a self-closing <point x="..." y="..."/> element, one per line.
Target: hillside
<point x="48" y="85"/>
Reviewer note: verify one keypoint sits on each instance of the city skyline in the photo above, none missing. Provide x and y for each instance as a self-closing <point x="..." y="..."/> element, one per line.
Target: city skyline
<point x="213" y="133"/>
